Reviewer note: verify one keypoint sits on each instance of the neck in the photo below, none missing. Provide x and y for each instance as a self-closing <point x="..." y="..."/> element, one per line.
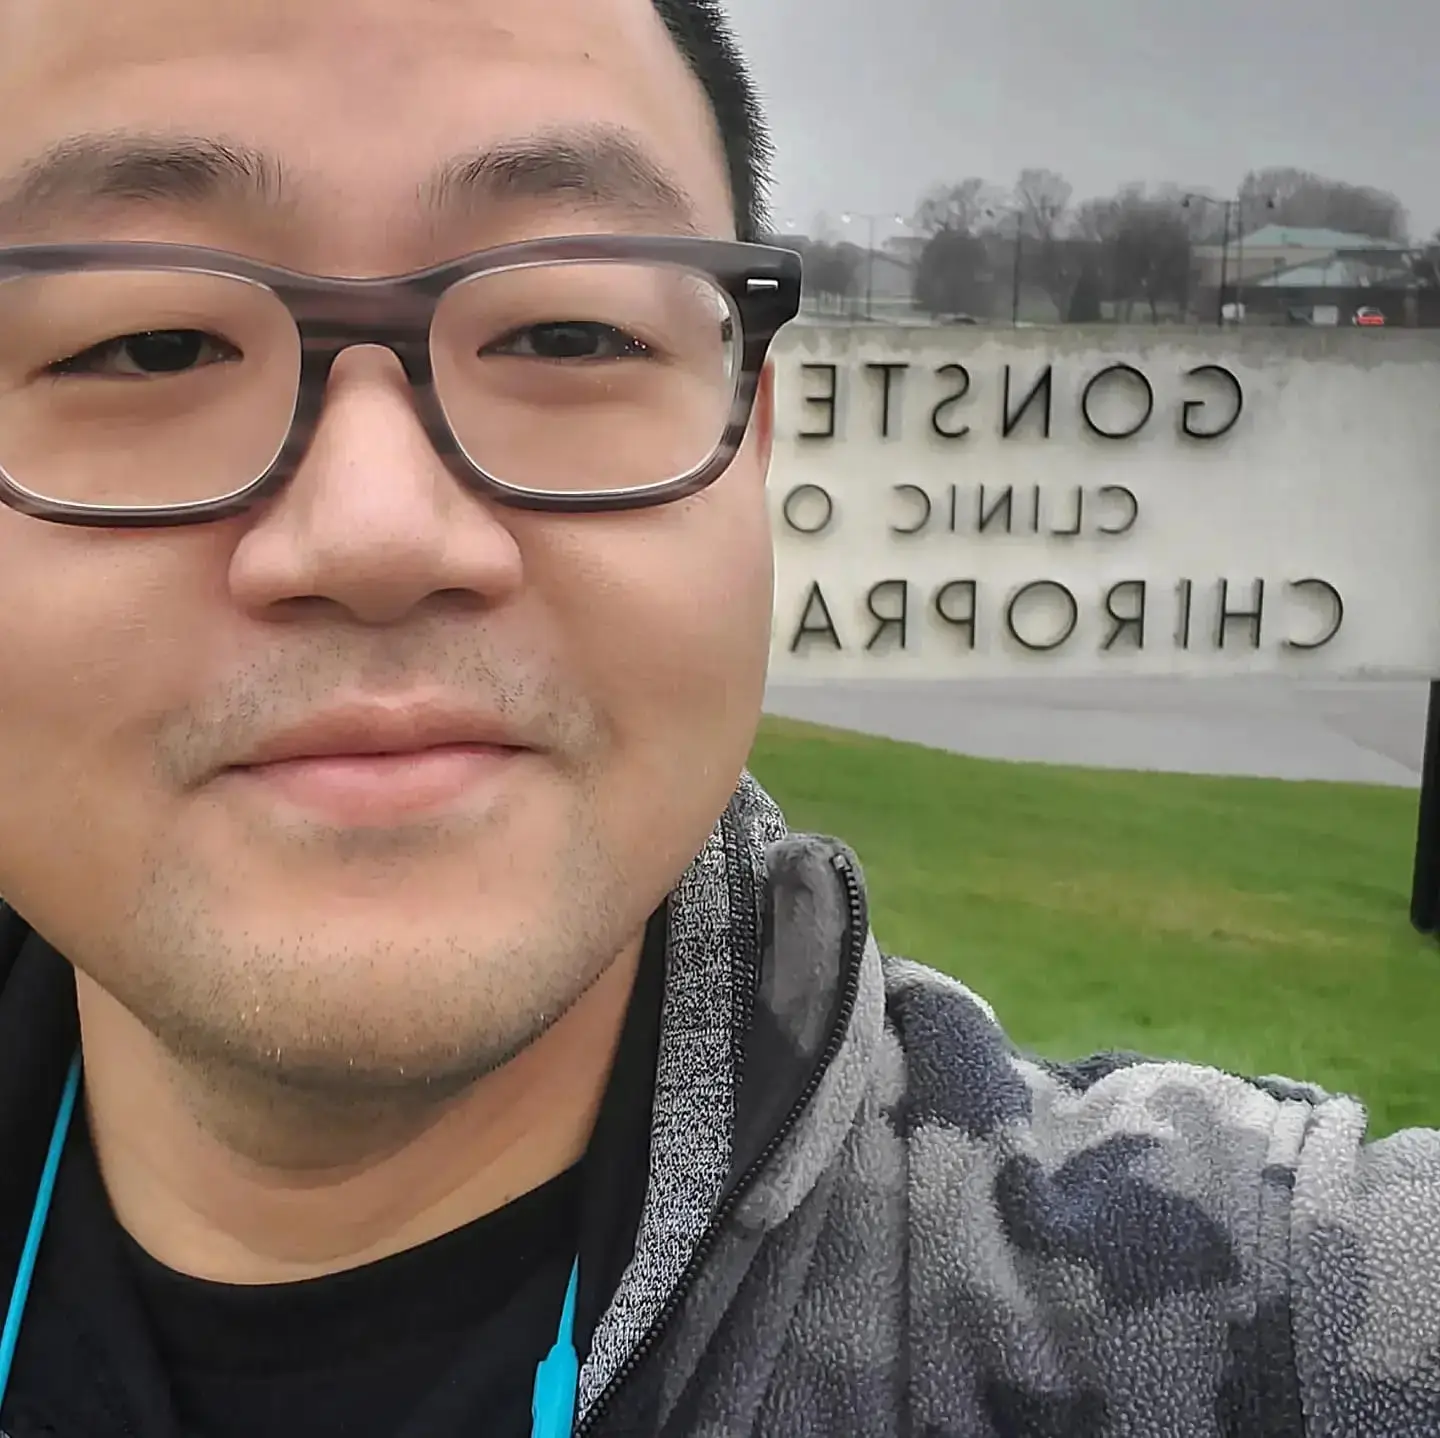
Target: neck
<point x="233" y="1180"/>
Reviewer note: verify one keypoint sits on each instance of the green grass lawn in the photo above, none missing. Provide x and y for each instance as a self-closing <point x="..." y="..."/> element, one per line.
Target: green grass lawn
<point x="1258" y="925"/>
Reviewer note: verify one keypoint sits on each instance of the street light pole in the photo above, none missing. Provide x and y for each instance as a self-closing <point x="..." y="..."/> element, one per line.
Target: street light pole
<point x="1224" y="264"/>
<point x="1226" y="206"/>
<point x="1235" y="207"/>
<point x="870" y="269"/>
<point x="871" y="221"/>
<point x="1015" y="214"/>
<point x="1015" y="277"/>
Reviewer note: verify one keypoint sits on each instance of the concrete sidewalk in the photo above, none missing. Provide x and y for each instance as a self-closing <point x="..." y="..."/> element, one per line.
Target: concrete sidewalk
<point x="1362" y="732"/>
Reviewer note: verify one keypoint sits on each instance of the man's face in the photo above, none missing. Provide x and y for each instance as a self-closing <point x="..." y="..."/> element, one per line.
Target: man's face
<point x="306" y="921"/>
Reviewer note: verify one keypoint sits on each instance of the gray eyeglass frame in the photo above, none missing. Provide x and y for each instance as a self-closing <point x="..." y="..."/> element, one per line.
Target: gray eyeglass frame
<point x="333" y="314"/>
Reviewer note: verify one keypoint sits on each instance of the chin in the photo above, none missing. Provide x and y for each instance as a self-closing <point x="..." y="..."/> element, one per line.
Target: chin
<point x="402" y="983"/>
<point x="351" y="1068"/>
<point x="397" y="1011"/>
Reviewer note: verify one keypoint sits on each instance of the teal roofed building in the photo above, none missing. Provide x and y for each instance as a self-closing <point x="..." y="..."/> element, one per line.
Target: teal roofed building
<point x="1291" y="272"/>
<point x="1291" y="237"/>
<point x="1272" y="250"/>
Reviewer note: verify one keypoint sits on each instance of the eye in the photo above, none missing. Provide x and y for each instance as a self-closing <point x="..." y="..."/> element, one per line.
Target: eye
<point x="573" y="341"/>
<point x="148" y="354"/>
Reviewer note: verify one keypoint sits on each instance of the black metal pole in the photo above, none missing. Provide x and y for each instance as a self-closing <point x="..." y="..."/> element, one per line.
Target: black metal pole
<point x="1425" y="886"/>
<point x="1224" y="266"/>
<point x="1239" y="262"/>
<point x="870" y="272"/>
<point x="1015" y="279"/>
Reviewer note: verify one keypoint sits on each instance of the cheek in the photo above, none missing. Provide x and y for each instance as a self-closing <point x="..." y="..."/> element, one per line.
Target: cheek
<point x="688" y="645"/>
<point x="666" y="625"/>
<point x="86" y="662"/>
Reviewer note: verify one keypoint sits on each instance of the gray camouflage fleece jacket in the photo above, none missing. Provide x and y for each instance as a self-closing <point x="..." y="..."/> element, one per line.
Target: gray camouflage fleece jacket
<point x="868" y="1214"/>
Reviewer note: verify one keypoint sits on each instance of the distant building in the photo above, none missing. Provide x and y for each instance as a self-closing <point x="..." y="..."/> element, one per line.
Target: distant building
<point x="893" y="278"/>
<point x="906" y="249"/>
<point x="888" y="272"/>
<point x="1283" y="272"/>
<point x="1268" y="252"/>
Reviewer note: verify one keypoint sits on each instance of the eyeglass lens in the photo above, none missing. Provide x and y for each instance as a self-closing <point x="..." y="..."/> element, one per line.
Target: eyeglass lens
<point x="133" y="388"/>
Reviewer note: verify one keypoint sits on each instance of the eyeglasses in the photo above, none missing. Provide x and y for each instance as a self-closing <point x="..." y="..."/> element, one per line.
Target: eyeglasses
<point x="149" y="384"/>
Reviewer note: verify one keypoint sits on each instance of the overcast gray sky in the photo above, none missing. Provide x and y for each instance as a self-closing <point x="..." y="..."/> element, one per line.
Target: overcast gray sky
<point x="874" y="100"/>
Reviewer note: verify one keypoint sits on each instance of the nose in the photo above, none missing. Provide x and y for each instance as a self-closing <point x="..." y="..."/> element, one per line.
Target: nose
<point x="372" y="523"/>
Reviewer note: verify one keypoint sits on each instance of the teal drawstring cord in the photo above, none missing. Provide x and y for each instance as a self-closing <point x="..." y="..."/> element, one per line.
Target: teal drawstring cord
<point x="10" y="1336"/>
<point x="552" y="1408"/>
<point x="557" y="1378"/>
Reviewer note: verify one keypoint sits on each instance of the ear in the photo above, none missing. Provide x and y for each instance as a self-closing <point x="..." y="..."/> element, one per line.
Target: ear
<point x="762" y="419"/>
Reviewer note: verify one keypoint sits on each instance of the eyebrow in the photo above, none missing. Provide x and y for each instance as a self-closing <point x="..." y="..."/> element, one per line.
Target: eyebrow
<point x="90" y="171"/>
<point x="599" y="168"/>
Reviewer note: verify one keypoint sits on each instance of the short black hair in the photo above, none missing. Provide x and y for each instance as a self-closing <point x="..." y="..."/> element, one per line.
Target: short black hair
<point x="704" y="37"/>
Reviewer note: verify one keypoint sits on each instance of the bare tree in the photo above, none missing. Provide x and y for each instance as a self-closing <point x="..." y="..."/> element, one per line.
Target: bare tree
<point x="961" y="209"/>
<point x="1093" y="227"/>
<point x="1042" y="201"/>
<point x="1085" y="297"/>
<point x="1152" y="250"/>
<point x="1095" y="220"/>
<point x="1139" y="246"/>
<point x="1041" y="205"/>
<point x="1425" y="263"/>
<point x="953" y="275"/>
<point x="831" y="271"/>
<point x="1305" y="199"/>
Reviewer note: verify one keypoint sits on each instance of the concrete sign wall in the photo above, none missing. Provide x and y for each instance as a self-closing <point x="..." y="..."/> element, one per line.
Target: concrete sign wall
<point x="953" y="502"/>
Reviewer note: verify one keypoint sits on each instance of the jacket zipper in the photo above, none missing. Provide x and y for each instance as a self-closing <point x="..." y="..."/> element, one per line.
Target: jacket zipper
<point x="855" y="950"/>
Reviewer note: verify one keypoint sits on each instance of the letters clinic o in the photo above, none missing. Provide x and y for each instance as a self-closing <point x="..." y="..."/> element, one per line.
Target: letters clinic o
<point x="796" y="508"/>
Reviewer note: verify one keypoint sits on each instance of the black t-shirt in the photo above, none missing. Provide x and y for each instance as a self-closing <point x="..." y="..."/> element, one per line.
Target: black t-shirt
<point x="436" y="1342"/>
<point x="460" y="1321"/>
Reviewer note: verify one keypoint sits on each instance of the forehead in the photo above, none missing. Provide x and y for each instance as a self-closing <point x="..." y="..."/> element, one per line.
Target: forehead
<point x="362" y="113"/>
